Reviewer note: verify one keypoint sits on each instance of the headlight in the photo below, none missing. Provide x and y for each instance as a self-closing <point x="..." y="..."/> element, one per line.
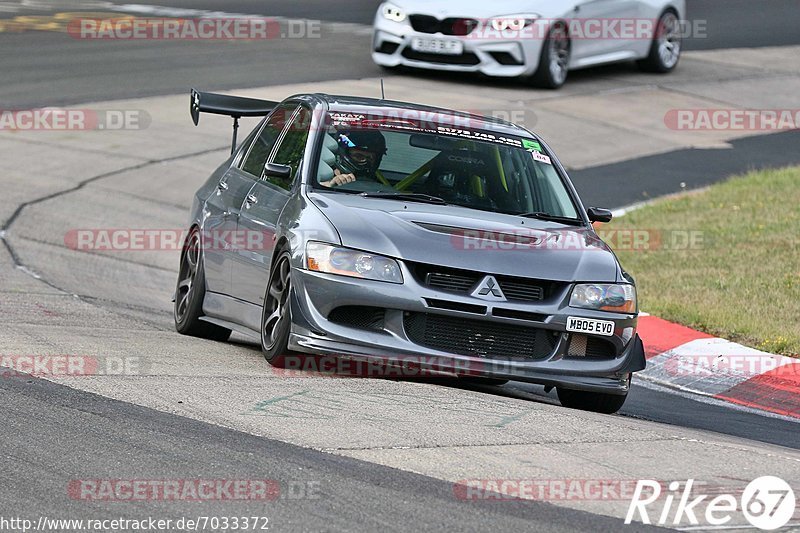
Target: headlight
<point x="512" y="22"/>
<point x="322" y="257"/>
<point x="393" y="13"/>
<point x="604" y="297"/>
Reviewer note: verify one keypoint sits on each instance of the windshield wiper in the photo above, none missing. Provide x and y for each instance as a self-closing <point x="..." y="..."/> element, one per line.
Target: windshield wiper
<point x="539" y="215"/>
<point x="408" y="196"/>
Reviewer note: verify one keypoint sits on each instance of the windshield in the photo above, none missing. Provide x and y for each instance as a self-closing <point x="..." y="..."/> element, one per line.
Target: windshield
<point x="468" y="168"/>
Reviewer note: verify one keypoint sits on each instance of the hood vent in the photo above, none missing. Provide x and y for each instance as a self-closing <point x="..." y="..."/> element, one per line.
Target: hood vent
<point x="469" y="234"/>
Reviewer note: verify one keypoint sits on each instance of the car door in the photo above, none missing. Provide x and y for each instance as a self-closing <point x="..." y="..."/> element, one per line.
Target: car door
<point x="258" y="216"/>
<point x="220" y="220"/>
<point x="220" y="236"/>
<point x="598" y="28"/>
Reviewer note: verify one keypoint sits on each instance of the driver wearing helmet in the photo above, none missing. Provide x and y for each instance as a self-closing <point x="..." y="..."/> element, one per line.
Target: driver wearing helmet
<point x="359" y="157"/>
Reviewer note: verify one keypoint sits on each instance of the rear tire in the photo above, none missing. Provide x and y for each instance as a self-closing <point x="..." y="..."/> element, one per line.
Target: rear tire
<point x="276" y="315"/>
<point x="554" y="59"/>
<point x="597" y="402"/>
<point x="665" y="51"/>
<point x="190" y="292"/>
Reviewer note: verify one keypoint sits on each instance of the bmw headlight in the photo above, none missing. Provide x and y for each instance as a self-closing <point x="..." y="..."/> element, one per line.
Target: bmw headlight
<point x="392" y="12"/>
<point x="604" y="297"/>
<point x="512" y="22"/>
<point x="321" y="257"/>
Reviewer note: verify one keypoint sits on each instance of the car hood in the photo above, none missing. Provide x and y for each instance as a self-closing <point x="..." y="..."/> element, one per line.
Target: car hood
<point x="474" y="9"/>
<point x="468" y="239"/>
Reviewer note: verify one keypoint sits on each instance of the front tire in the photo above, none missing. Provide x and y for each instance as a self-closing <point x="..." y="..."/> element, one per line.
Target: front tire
<point x="665" y="51"/>
<point x="554" y="59"/>
<point x="190" y="291"/>
<point x="276" y="314"/>
<point x="597" y="402"/>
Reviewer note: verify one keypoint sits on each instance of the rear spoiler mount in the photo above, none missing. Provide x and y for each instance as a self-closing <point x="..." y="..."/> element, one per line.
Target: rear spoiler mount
<point x="235" y="107"/>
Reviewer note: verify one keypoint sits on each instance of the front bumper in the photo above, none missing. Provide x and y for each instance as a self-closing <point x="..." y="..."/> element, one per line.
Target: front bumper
<point x="316" y="295"/>
<point x="391" y="47"/>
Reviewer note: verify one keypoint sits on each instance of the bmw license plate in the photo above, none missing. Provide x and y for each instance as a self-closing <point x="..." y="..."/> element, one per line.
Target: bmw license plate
<point x="437" y="46"/>
<point x="587" y="325"/>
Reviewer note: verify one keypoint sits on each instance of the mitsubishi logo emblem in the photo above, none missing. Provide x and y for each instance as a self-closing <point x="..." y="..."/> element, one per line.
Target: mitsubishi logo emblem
<point x="489" y="289"/>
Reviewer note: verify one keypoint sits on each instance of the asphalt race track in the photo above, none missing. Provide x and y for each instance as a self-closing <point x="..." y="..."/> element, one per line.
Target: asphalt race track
<point x="368" y="455"/>
<point x="107" y="430"/>
<point x="81" y="73"/>
<point x="731" y="23"/>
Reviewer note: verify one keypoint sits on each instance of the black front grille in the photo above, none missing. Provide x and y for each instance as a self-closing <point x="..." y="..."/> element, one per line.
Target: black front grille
<point x="359" y="316"/>
<point x="478" y="338"/>
<point x="592" y="347"/>
<point x="467" y="58"/>
<point x="600" y="348"/>
<point x="504" y="58"/>
<point x="456" y="306"/>
<point x="519" y="315"/>
<point x="387" y="48"/>
<point x="521" y="289"/>
<point x="465" y="281"/>
<point x="452" y="281"/>
<point x="449" y="26"/>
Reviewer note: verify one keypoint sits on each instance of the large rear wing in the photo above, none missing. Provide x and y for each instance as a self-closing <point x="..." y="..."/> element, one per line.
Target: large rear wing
<point x="235" y="107"/>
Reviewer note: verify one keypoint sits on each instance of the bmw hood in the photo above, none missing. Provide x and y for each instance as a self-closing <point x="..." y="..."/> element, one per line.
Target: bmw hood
<point x="468" y="239"/>
<point x="442" y="9"/>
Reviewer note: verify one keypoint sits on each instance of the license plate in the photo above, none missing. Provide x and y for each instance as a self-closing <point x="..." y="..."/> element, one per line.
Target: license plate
<point x="437" y="46"/>
<point x="587" y="325"/>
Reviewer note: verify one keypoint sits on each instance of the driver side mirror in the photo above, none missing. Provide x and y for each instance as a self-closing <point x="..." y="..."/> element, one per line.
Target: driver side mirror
<point x="274" y="170"/>
<point x="598" y="214"/>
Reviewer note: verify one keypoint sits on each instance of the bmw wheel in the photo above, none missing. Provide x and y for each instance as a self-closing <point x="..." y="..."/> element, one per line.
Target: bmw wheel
<point x="666" y="48"/>
<point x="554" y="60"/>
<point x="191" y="290"/>
<point x="276" y="314"/>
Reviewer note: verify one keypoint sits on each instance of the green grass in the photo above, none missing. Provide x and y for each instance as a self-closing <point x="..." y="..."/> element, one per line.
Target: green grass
<point x="742" y="282"/>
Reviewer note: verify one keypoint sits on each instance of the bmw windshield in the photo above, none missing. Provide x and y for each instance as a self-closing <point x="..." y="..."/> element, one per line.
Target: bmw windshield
<point x="443" y="164"/>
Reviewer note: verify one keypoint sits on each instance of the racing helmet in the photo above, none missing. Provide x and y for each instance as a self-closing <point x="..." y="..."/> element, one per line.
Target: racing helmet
<point x="353" y="144"/>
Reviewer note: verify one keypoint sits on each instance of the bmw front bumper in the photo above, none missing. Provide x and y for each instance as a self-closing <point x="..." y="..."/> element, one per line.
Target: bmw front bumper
<point x="392" y="47"/>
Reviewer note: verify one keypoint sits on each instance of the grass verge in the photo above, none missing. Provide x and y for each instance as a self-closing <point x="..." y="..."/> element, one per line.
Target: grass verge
<point x="725" y="260"/>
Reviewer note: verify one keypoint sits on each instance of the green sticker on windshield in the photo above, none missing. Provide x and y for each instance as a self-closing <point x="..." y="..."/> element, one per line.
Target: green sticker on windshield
<point x="531" y="145"/>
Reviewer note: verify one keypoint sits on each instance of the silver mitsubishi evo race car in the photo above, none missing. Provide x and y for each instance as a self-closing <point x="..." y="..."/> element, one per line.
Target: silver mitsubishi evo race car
<point x="407" y="234"/>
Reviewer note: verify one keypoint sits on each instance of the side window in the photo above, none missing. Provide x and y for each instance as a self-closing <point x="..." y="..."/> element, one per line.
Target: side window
<point x="293" y="147"/>
<point x="262" y="146"/>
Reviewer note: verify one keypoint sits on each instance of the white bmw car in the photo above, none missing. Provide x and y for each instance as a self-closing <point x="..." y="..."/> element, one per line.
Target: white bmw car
<point x="540" y="40"/>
